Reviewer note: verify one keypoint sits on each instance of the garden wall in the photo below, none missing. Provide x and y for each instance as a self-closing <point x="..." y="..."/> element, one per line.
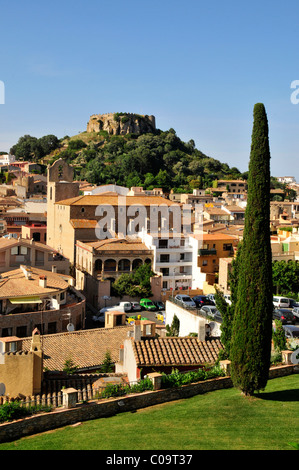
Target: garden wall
<point x="105" y="408"/>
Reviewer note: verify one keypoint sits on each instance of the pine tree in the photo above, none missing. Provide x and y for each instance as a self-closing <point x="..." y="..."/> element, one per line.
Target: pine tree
<point x="252" y="326"/>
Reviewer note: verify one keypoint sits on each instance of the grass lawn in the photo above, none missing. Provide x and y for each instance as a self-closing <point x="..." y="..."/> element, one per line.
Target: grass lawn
<point x="219" y="420"/>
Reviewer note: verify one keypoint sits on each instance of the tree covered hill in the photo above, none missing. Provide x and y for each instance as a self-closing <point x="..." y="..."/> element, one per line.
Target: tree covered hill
<point x="158" y="159"/>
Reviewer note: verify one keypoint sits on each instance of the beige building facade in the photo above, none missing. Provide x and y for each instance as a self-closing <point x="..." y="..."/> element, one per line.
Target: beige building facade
<point x="72" y="217"/>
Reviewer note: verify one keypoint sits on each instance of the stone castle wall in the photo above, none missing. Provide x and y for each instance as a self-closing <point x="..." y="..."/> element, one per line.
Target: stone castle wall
<point x="121" y="124"/>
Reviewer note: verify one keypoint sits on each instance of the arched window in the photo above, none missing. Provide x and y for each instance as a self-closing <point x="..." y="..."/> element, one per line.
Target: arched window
<point x="98" y="265"/>
<point x="124" y="265"/>
<point x="136" y="263"/>
<point x="110" y="265"/>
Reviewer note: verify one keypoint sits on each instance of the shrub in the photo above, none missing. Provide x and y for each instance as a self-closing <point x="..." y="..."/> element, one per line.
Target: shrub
<point x="177" y="379"/>
<point x="15" y="410"/>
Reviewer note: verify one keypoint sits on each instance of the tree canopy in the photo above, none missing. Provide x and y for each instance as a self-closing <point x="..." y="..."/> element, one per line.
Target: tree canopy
<point x="150" y="160"/>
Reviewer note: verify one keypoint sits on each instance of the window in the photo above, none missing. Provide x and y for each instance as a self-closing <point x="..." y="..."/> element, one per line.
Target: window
<point x="6" y="332"/>
<point x="164" y="258"/>
<point x="21" y="331"/>
<point x="51" y="328"/>
<point x="163" y="243"/>
<point x="227" y="247"/>
<point x="12" y="346"/>
<point x="39" y="258"/>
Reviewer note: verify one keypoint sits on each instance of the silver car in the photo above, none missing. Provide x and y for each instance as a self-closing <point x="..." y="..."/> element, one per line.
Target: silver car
<point x="185" y="300"/>
<point x="296" y="312"/>
<point x="211" y="311"/>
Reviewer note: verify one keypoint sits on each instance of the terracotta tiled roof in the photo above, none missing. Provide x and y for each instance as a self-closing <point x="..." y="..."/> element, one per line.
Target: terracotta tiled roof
<point x="83" y="223"/>
<point x="175" y="351"/>
<point x="10" y="242"/>
<point x="14" y="283"/>
<point x="117" y="244"/>
<point x="86" y="348"/>
<point x="98" y="199"/>
<point x="213" y="236"/>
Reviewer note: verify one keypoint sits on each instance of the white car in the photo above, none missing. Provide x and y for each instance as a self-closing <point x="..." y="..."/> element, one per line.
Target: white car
<point x="121" y="307"/>
<point x="281" y="302"/>
<point x="227" y="298"/>
<point x="185" y="300"/>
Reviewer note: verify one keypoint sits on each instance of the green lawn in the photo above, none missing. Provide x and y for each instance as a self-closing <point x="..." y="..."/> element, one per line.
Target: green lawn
<point x="219" y="420"/>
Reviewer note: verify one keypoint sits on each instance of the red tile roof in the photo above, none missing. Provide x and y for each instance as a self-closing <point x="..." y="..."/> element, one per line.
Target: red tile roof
<point x="176" y="351"/>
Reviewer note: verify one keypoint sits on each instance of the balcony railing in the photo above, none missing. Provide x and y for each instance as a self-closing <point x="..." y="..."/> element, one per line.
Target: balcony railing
<point x="206" y="252"/>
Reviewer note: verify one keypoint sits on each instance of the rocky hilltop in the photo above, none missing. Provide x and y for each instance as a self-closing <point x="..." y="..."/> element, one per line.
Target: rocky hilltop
<point x="121" y="123"/>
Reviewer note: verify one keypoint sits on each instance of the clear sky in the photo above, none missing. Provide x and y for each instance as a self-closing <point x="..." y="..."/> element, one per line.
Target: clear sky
<point x="198" y="66"/>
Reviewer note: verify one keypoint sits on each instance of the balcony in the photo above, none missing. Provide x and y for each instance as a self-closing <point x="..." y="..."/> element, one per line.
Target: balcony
<point x="207" y="252"/>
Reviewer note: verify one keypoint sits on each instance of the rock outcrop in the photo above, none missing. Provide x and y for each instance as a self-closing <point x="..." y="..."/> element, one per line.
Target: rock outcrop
<point x="121" y="123"/>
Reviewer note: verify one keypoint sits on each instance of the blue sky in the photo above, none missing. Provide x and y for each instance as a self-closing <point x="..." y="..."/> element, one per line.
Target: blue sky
<point x="198" y="66"/>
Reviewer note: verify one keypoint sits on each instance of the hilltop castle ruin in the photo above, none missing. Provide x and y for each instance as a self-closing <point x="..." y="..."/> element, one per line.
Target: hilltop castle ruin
<point x="121" y="123"/>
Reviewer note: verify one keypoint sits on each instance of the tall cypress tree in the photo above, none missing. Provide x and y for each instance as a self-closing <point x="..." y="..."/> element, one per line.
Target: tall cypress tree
<point x="252" y="326"/>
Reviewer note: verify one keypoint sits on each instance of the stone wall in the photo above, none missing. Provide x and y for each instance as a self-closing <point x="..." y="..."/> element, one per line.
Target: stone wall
<point x="112" y="406"/>
<point x="121" y="124"/>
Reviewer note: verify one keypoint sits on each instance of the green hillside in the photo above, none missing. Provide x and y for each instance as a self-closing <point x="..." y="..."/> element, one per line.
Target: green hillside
<point x="159" y="159"/>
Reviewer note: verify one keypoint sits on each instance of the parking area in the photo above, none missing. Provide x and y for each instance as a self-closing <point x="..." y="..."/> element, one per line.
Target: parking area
<point x="150" y="315"/>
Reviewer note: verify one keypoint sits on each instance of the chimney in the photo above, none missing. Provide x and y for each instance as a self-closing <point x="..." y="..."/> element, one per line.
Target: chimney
<point x="43" y="281"/>
<point x="137" y="330"/>
<point x="27" y="271"/>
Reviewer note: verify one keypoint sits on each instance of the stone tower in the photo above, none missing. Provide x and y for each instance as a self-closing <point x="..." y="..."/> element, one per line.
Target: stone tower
<point x="60" y="186"/>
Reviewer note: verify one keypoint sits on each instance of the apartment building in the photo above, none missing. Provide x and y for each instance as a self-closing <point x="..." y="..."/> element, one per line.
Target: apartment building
<point x="209" y="249"/>
<point x="232" y="186"/>
<point x="172" y="258"/>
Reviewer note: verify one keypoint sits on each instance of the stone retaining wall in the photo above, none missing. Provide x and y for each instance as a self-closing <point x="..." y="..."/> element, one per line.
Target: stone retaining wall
<point x="105" y="408"/>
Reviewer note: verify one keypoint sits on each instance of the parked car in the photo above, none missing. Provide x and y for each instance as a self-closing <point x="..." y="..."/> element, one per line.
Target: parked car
<point x="284" y="315"/>
<point x="282" y="302"/>
<point x="291" y="331"/>
<point x="295" y="311"/>
<point x="185" y="300"/>
<point x="211" y="297"/>
<point x="160" y="305"/>
<point x="228" y="299"/>
<point x="99" y="318"/>
<point x="148" y="304"/>
<point x="210" y="310"/>
<point x="201" y="300"/>
<point x="135" y="306"/>
<point x="121" y="307"/>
